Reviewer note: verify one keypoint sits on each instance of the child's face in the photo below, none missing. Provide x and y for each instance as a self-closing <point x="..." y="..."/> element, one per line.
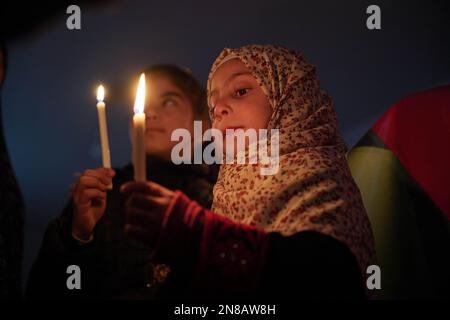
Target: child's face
<point x="167" y="108"/>
<point x="237" y="99"/>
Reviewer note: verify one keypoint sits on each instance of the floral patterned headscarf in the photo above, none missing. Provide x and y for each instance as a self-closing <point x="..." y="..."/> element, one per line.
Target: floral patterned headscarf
<point x="313" y="189"/>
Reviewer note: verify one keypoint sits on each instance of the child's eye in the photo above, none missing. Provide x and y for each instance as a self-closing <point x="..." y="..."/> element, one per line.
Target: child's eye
<point x="241" y="92"/>
<point x="168" y="103"/>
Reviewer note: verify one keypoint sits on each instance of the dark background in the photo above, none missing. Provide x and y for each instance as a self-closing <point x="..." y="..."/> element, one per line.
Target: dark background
<point x="49" y="112"/>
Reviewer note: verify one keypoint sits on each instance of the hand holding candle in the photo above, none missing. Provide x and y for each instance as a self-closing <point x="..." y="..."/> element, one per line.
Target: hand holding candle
<point x="103" y="129"/>
<point x="139" y="162"/>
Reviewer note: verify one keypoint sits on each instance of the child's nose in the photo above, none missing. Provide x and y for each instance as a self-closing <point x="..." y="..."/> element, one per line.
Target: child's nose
<point x="151" y="114"/>
<point x="221" y="110"/>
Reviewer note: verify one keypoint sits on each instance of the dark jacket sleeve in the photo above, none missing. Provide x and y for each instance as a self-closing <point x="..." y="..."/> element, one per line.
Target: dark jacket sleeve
<point x="49" y="274"/>
<point x="225" y="259"/>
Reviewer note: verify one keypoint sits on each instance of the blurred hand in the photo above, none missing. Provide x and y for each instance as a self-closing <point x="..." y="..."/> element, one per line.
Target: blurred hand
<point x="89" y="197"/>
<point x="145" y="205"/>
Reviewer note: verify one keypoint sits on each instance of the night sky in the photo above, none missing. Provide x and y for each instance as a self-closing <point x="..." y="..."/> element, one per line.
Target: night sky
<point x="49" y="113"/>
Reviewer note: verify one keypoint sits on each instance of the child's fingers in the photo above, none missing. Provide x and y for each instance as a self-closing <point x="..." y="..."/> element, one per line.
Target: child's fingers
<point x="103" y="174"/>
<point x="147" y="187"/>
<point x="158" y="189"/>
<point x="143" y="201"/>
<point x="91" y="182"/>
<point x="87" y="195"/>
<point x="134" y="186"/>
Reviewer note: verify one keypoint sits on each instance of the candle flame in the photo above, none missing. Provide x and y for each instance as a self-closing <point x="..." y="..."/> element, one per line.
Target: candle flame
<point x="140" y="96"/>
<point x="100" y="93"/>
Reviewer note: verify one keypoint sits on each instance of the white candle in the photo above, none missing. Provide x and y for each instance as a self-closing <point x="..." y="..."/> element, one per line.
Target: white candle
<point x="139" y="162"/>
<point x="104" y="141"/>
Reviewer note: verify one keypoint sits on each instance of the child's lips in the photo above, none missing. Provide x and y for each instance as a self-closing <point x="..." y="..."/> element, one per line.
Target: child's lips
<point x="154" y="129"/>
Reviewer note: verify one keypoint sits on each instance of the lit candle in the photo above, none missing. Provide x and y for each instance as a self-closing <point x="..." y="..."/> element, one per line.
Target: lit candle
<point x="103" y="129"/>
<point x="139" y="163"/>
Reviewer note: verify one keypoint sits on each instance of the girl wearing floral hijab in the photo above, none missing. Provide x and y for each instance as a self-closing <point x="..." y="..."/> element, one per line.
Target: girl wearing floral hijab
<point x="301" y="232"/>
